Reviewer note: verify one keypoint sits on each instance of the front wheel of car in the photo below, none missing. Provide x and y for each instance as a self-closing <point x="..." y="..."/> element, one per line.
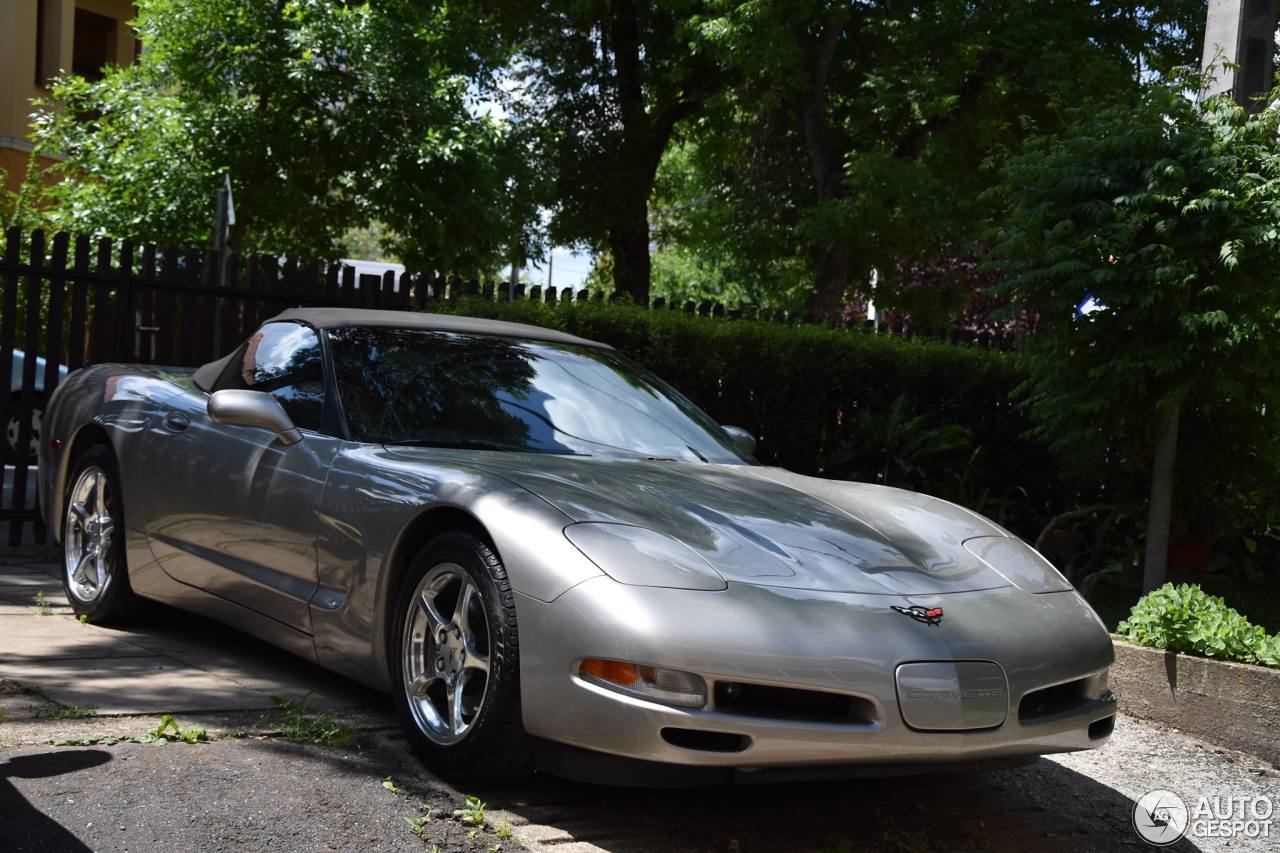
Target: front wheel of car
<point x="95" y="575"/>
<point x="455" y="661"/>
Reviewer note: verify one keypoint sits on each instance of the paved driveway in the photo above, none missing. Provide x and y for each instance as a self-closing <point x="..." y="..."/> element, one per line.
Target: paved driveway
<point x="251" y="788"/>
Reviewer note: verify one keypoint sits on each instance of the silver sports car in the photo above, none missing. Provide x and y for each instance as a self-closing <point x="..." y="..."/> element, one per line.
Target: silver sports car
<point x="550" y="558"/>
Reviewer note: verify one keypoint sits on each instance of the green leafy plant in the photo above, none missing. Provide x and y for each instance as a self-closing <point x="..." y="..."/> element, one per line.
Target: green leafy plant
<point x="894" y="447"/>
<point x="419" y="824"/>
<point x="1186" y="619"/>
<point x="391" y="786"/>
<point x="84" y="619"/>
<point x="472" y="814"/>
<point x="43" y="608"/>
<point x="168" y="730"/>
<point x="504" y="830"/>
<point x="302" y="725"/>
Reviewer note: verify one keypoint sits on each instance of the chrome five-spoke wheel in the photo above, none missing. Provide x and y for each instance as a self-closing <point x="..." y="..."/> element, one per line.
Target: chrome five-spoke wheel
<point x="445" y="654"/>
<point x="89" y="537"/>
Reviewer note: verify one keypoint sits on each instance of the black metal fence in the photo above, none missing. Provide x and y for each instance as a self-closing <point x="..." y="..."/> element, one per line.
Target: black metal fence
<point x="69" y="300"/>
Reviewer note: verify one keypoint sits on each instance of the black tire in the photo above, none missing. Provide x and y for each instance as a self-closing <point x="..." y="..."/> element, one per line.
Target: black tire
<point x="114" y="602"/>
<point x="494" y="746"/>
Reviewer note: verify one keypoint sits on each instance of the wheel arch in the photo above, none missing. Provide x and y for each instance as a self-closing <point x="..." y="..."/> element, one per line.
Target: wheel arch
<point x="88" y="434"/>
<point x="426" y="525"/>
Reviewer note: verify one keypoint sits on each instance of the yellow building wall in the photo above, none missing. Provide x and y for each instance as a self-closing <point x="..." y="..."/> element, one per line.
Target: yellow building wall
<point x="18" y="56"/>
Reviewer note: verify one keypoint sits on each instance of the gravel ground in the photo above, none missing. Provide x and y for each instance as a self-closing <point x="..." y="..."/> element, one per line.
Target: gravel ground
<point x="259" y="793"/>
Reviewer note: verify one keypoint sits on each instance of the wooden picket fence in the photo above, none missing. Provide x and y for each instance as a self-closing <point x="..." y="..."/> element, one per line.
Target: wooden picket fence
<point x="71" y="300"/>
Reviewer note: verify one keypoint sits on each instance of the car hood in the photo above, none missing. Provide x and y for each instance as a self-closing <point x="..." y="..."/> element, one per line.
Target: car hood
<point x="768" y="526"/>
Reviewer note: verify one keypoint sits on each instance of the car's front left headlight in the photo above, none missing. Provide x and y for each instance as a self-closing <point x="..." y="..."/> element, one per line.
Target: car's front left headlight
<point x="639" y="556"/>
<point x="1018" y="563"/>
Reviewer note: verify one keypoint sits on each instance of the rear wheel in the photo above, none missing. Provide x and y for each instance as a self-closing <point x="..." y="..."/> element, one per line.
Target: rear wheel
<point x="95" y="576"/>
<point x="455" y="661"/>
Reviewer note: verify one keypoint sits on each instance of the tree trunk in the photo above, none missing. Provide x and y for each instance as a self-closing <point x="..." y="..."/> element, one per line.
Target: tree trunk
<point x="830" y="284"/>
<point x="1156" y="564"/>
<point x="629" y="244"/>
<point x="835" y="263"/>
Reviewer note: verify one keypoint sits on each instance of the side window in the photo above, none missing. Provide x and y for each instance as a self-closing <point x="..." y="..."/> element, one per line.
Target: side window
<point x="284" y="360"/>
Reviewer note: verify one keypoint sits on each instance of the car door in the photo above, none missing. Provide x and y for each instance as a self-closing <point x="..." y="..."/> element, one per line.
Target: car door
<point x="232" y="509"/>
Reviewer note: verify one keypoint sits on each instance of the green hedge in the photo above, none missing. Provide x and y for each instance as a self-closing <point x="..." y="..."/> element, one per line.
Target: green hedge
<point x="797" y="388"/>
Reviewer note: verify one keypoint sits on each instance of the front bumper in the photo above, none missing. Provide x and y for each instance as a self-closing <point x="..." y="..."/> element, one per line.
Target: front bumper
<point x="832" y="642"/>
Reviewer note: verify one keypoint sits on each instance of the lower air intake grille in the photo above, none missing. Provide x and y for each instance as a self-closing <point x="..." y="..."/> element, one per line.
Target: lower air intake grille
<point x="789" y="703"/>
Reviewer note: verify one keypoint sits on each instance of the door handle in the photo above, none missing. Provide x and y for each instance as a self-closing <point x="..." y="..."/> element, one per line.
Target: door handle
<point x="177" y="421"/>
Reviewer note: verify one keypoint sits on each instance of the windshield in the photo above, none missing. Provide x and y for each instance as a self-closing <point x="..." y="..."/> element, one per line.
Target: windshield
<point x="424" y="387"/>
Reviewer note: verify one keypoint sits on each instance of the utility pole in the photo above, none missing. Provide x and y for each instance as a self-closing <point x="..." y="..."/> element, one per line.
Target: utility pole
<point x="551" y="265"/>
<point x="1240" y="33"/>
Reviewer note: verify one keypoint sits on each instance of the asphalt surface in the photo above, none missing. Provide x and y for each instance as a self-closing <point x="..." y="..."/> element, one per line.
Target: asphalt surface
<point x="250" y="788"/>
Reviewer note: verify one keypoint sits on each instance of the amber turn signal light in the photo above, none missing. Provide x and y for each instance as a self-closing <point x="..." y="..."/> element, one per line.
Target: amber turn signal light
<point x="669" y="686"/>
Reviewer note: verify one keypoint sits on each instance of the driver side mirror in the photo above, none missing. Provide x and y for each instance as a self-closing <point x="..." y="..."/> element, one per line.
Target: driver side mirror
<point x="746" y="441"/>
<point x="240" y="407"/>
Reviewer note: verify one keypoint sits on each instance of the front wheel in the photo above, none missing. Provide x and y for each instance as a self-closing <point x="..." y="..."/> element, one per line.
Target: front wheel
<point x="455" y="661"/>
<point x="95" y="575"/>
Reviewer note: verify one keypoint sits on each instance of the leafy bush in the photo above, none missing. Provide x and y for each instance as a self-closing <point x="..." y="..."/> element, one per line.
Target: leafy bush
<point x="805" y="392"/>
<point x="1186" y="619"/>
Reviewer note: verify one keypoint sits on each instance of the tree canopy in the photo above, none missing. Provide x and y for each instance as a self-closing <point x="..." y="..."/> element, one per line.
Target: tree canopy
<point x="323" y="116"/>
<point x="1167" y="217"/>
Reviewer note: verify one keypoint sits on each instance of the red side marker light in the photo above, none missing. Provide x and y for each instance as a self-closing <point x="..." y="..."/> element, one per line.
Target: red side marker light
<point x="55" y="444"/>
<point x="933" y="612"/>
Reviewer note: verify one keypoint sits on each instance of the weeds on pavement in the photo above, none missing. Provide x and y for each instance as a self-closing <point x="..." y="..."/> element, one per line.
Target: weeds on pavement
<point x="43" y="608"/>
<point x="66" y="712"/>
<point x="302" y="725"/>
<point x="167" y="731"/>
<point x="472" y="814"/>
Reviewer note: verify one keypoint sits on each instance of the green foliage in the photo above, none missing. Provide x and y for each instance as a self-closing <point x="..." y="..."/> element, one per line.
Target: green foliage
<point x="418" y="825"/>
<point x="892" y="447"/>
<point x="300" y="724"/>
<point x="1165" y="215"/>
<point x="168" y="729"/>
<point x="325" y="116"/>
<point x="847" y="136"/>
<point x="799" y="389"/>
<point x="471" y="813"/>
<point x="603" y="89"/>
<point x="390" y="785"/>
<point x="43" y="607"/>
<point x="1186" y="619"/>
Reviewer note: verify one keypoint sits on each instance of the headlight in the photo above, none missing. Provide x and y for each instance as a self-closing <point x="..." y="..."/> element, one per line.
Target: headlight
<point x="1018" y="563"/>
<point x="668" y="686"/>
<point x="641" y="557"/>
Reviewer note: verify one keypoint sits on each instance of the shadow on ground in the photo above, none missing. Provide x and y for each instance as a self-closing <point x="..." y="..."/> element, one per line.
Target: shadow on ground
<point x="24" y="826"/>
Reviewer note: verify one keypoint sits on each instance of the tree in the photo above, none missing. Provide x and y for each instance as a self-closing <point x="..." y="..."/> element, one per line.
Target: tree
<point x="1168" y="219"/>
<point x="855" y="134"/>
<point x="324" y="115"/>
<point x="607" y="83"/>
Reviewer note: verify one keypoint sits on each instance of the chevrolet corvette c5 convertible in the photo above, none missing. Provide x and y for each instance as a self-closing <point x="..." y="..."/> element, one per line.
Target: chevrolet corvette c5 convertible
<point x="550" y="558"/>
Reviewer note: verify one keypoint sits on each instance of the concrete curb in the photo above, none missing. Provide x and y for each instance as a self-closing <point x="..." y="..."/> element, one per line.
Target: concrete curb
<point x="1230" y="704"/>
